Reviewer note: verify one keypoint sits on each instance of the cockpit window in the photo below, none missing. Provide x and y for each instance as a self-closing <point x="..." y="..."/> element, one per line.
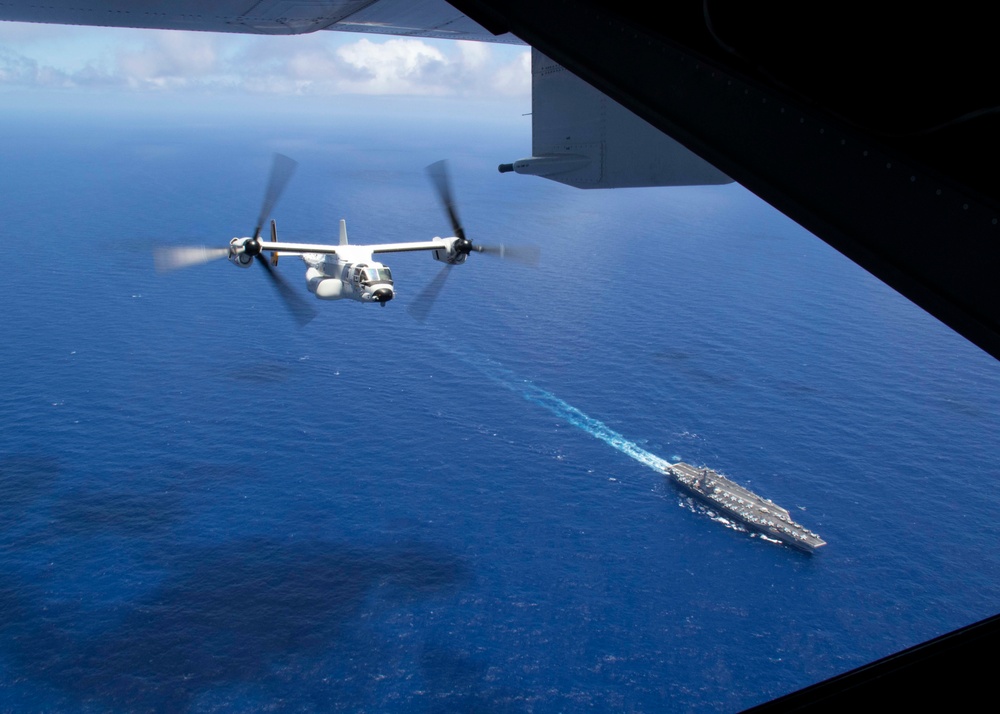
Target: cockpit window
<point x="379" y="275"/>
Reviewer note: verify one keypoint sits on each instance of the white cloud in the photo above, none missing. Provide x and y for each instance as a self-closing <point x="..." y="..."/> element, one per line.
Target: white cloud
<point x="514" y="78"/>
<point x="170" y="59"/>
<point x="394" y="67"/>
<point x="319" y="64"/>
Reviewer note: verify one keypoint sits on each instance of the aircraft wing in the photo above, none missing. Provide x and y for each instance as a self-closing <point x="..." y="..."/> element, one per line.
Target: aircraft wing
<point x="417" y="18"/>
<point x="321" y="248"/>
<point x="580" y="136"/>
<point x="411" y="246"/>
<point x="583" y="138"/>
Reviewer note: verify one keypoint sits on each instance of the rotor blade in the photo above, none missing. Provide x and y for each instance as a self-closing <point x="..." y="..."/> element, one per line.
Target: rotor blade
<point x="438" y="172"/>
<point x="421" y="306"/>
<point x="282" y="169"/>
<point x="523" y="254"/>
<point x="302" y="311"/>
<point x="167" y="259"/>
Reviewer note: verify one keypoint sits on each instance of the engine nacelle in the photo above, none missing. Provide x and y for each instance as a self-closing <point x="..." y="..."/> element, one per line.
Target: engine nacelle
<point x="238" y="254"/>
<point x="450" y="253"/>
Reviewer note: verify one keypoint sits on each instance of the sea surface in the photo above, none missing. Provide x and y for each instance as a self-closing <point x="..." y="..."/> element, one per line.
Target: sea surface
<point x="206" y="508"/>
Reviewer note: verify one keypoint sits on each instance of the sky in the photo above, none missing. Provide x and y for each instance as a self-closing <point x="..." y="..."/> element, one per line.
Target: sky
<point x="40" y="63"/>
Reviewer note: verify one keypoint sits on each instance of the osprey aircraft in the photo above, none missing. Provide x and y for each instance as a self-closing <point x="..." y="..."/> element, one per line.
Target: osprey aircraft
<point x="343" y="271"/>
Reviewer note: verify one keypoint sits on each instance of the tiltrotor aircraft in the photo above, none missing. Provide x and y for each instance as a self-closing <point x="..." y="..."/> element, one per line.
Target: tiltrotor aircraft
<point x="342" y="271"/>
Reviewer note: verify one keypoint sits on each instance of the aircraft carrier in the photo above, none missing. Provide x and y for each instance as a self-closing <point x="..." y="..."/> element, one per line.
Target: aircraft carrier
<point x="759" y="514"/>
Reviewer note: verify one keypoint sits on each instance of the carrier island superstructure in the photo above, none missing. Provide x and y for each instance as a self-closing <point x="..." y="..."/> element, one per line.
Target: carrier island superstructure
<point x="759" y="514"/>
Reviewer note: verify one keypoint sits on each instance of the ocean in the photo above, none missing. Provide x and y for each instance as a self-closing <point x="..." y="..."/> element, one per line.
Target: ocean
<point x="207" y="508"/>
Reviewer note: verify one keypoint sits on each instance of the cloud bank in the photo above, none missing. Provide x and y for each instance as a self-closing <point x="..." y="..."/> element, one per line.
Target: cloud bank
<point x="320" y="64"/>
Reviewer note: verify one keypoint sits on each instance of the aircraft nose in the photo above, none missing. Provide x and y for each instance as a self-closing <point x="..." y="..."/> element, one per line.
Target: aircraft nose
<point x="382" y="295"/>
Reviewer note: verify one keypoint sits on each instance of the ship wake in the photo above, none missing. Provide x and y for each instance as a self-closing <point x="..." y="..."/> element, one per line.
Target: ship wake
<point x="567" y="412"/>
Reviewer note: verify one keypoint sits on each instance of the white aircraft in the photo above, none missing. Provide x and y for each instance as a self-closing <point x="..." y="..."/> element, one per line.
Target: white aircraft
<point x="343" y="271"/>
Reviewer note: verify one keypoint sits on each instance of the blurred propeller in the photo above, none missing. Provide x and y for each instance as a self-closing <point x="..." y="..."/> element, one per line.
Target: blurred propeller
<point x="438" y="172"/>
<point x="526" y="255"/>
<point x="302" y="311"/>
<point x="167" y="259"/>
<point x="421" y="306"/>
<point x="523" y="254"/>
<point x="282" y="169"/>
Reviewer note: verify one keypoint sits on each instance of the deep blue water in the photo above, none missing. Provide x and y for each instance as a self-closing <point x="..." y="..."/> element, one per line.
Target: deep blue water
<point x="206" y="508"/>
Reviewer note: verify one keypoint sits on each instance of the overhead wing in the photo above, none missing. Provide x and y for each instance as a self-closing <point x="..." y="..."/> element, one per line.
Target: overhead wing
<point x="585" y="139"/>
<point x="417" y="18"/>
